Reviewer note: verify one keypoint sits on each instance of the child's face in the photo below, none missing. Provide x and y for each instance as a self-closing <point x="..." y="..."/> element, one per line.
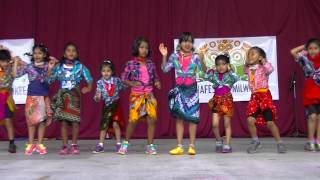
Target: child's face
<point x="38" y="55"/>
<point x="313" y="49"/>
<point x="106" y="72"/>
<point x="71" y="53"/>
<point x="4" y="64"/>
<point x="222" y="66"/>
<point x="186" y="46"/>
<point x="253" y="57"/>
<point x="143" y="49"/>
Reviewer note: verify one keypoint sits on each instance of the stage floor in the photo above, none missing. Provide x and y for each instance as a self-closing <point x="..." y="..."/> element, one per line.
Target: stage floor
<point x="267" y="164"/>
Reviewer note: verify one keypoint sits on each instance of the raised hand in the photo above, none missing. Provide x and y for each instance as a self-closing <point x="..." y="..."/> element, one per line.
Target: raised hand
<point x="85" y="90"/>
<point x="52" y="62"/>
<point x="204" y="49"/>
<point x="163" y="49"/>
<point x="157" y="84"/>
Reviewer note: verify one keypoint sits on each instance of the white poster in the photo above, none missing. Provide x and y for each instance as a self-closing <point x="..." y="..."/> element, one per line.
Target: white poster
<point x="19" y="47"/>
<point x="237" y="49"/>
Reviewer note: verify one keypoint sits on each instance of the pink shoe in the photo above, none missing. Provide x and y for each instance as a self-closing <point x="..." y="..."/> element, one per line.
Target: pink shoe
<point x="64" y="150"/>
<point x="75" y="149"/>
<point x="41" y="149"/>
<point x="29" y="149"/>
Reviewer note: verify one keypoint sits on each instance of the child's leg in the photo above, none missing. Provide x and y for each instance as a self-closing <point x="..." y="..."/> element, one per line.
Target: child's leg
<point x="179" y="129"/>
<point x="130" y="129"/>
<point x="215" y="126"/>
<point x="10" y="129"/>
<point x="227" y="126"/>
<point x="41" y="132"/>
<point x="64" y="132"/>
<point x="102" y="136"/>
<point x="117" y="131"/>
<point x="192" y="132"/>
<point x="75" y="132"/>
<point x="252" y="127"/>
<point x="274" y="130"/>
<point x="151" y="129"/>
<point x="318" y="129"/>
<point x="312" y="124"/>
<point x="31" y="132"/>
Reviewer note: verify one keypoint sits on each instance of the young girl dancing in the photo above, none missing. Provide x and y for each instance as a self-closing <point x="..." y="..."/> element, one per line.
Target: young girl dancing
<point x="140" y="73"/>
<point x="221" y="104"/>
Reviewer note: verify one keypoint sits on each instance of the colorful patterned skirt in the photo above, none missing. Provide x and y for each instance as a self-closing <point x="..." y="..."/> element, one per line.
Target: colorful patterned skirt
<point x="7" y="106"/>
<point x="111" y="114"/>
<point x="142" y="105"/>
<point x="184" y="103"/>
<point x="222" y="105"/>
<point x="37" y="110"/>
<point x="259" y="102"/>
<point x="66" y="105"/>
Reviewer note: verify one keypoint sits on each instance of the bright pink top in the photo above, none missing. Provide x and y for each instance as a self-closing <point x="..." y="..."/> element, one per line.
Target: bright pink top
<point x="220" y="91"/>
<point x="261" y="76"/>
<point x="184" y="63"/>
<point x="145" y="80"/>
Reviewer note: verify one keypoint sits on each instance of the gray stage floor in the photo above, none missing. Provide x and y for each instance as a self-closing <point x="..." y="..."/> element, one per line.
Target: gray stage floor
<point x="207" y="164"/>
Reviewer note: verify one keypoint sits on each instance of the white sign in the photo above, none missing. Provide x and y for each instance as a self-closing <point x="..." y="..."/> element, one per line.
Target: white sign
<point x="237" y="49"/>
<point x="19" y="47"/>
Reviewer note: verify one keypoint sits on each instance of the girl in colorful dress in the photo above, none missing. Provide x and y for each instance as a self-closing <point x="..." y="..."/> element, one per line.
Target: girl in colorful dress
<point x="308" y="56"/>
<point x="108" y="89"/>
<point x="221" y="104"/>
<point x="66" y="103"/>
<point x="7" y="106"/>
<point x="140" y="73"/>
<point x="37" y="107"/>
<point x="261" y="109"/>
<point x="184" y="99"/>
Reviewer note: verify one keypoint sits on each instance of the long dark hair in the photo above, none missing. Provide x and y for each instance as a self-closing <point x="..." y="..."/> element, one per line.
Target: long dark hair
<point x="42" y="48"/>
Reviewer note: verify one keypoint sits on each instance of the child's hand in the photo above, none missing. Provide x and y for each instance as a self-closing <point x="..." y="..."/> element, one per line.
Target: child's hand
<point x="263" y="61"/>
<point x="52" y="62"/>
<point x="97" y="97"/>
<point x="203" y="49"/>
<point x="157" y="84"/>
<point x="85" y="90"/>
<point x="163" y="50"/>
<point x="136" y="83"/>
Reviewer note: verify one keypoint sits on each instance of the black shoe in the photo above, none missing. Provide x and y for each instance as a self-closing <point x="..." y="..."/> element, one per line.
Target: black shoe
<point x="12" y="148"/>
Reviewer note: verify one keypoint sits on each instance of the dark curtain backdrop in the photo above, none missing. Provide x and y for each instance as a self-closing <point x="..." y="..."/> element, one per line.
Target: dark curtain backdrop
<point x="107" y="28"/>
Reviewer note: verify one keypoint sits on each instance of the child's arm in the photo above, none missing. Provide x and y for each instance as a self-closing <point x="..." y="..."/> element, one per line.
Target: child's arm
<point x="233" y="78"/>
<point x="86" y="74"/>
<point x="267" y="66"/>
<point x="97" y="96"/>
<point x="157" y="82"/>
<point x="295" y="51"/>
<point x="166" y="66"/>
<point x="202" y="51"/>
<point x="209" y="76"/>
<point x="125" y="77"/>
<point x="52" y="70"/>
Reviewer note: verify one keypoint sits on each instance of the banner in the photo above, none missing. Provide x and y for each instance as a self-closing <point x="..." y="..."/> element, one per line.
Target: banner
<point x="19" y="47"/>
<point x="237" y="49"/>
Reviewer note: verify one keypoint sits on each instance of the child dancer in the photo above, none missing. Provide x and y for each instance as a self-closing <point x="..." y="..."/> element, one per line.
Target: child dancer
<point x="66" y="103"/>
<point x="7" y="106"/>
<point x="308" y="56"/>
<point x="261" y="109"/>
<point x="140" y="73"/>
<point x="221" y="104"/>
<point x="37" y="108"/>
<point x="184" y="99"/>
<point x="108" y="89"/>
